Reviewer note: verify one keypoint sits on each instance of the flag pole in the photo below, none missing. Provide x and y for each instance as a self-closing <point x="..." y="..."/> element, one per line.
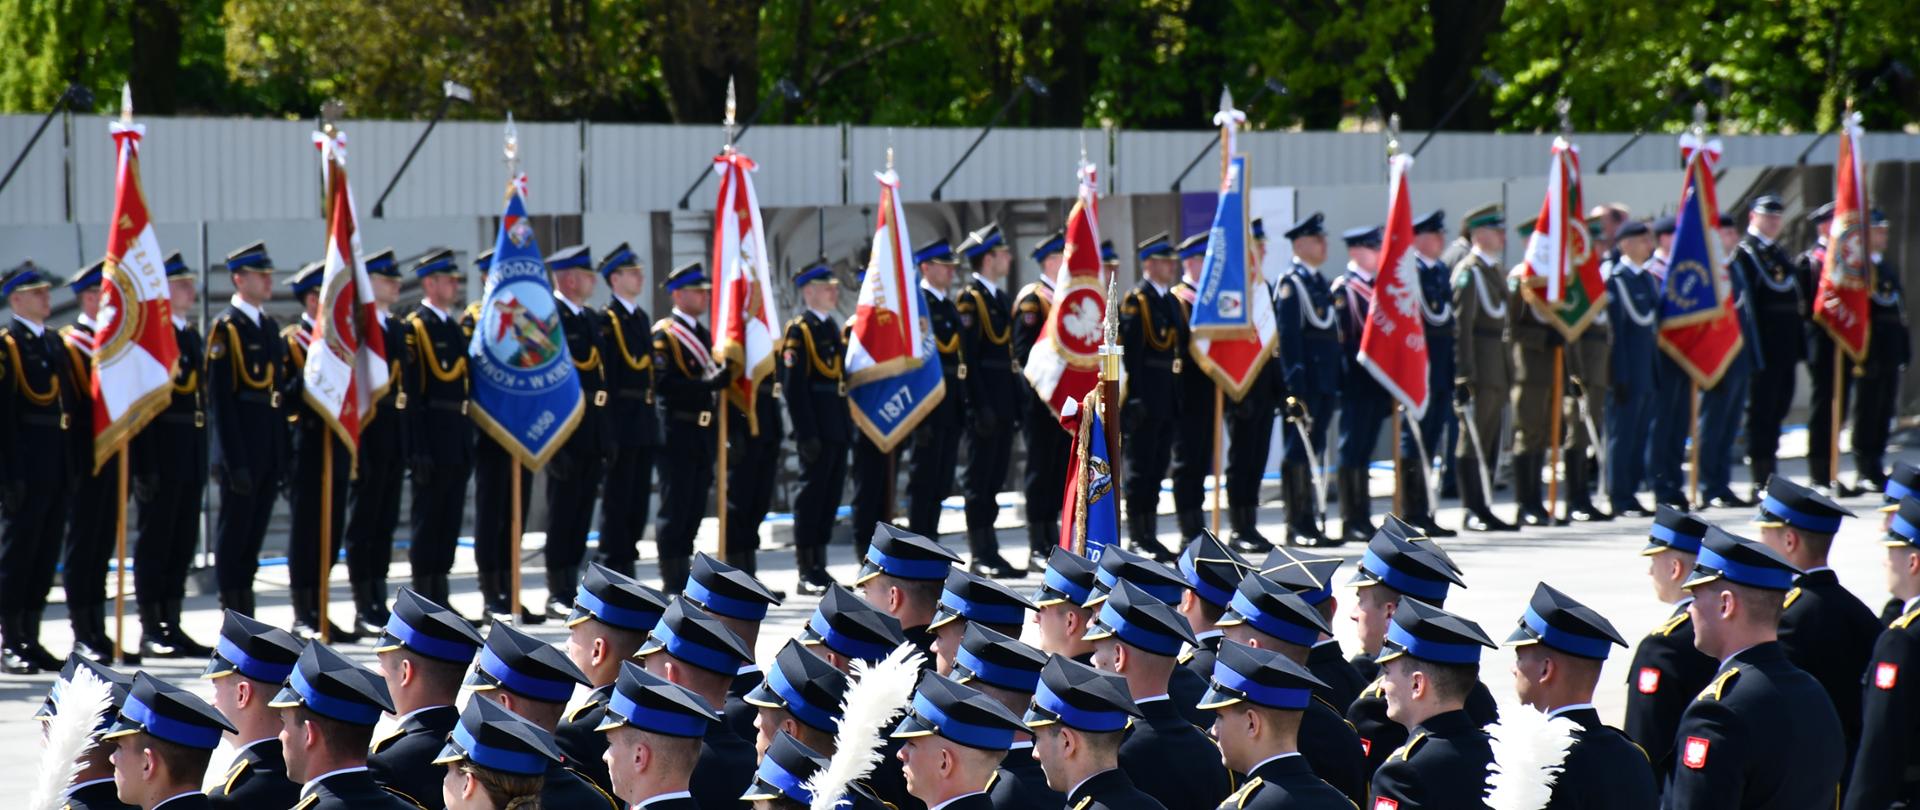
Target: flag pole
<point x="1553" y="434"/>
<point x="1398" y="496"/>
<point x="513" y="545"/>
<point x="1833" y="436"/>
<point x="120" y="561"/>
<point x="326" y="530"/>
<point x="1693" y="444"/>
<point x="1110" y="354"/>
<point x="1219" y="426"/>
<point x="720" y="461"/>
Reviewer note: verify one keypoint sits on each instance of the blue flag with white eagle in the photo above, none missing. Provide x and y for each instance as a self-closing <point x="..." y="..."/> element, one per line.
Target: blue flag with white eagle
<point x="525" y="391"/>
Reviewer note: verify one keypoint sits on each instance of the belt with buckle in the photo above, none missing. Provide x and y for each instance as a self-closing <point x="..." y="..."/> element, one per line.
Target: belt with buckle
<point x="600" y="399"/>
<point x="45" y="420"/>
<point x="701" y="418"/>
<point x="443" y="405"/>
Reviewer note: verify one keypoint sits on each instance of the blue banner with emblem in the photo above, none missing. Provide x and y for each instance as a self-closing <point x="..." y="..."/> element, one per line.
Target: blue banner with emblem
<point x="1220" y="305"/>
<point x="1092" y="519"/>
<point x="525" y="391"/>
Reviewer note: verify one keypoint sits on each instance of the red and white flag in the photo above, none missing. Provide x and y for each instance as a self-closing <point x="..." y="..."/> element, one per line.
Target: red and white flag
<point x="1841" y="302"/>
<point x="1065" y="362"/>
<point x="346" y="368"/>
<point x="746" y="317"/>
<point x="1393" y="343"/>
<point x="134" y="350"/>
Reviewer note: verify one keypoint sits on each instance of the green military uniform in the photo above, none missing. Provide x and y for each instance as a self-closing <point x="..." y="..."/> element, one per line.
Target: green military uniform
<point x="1480" y="370"/>
<point x="1532" y="341"/>
<point x="1589" y="360"/>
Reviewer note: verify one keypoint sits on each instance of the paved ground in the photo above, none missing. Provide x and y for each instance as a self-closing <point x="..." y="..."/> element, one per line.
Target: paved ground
<point x="1596" y="563"/>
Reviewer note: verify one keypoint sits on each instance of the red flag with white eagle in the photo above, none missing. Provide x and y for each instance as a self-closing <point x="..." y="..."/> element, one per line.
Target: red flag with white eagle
<point x="1065" y="363"/>
<point x="1393" y="343"/>
<point x="346" y="368"/>
<point x="134" y="349"/>
<point x="1841" y="303"/>
<point x="746" y="316"/>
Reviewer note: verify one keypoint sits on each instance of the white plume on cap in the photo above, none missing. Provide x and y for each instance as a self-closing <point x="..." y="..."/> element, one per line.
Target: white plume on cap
<point x="1529" y="752"/>
<point x="875" y="696"/>
<point x="70" y="734"/>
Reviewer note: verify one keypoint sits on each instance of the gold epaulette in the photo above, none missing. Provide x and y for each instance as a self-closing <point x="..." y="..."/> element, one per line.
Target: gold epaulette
<point x="1719" y="685"/>
<point x="405" y="798"/>
<point x="1082" y="804"/>
<point x="1673" y="624"/>
<point x="574" y="716"/>
<point x="233" y="774"/>
<point x="1791" y="597"/>
<point x="1905" y="619"/>
<point x="1187" y="655"/>
<point x="383" y="743"/>
<point x="1246" y="791"/>
<point x="307" y="802"/>
<point x="1407" y="750"/>
<point x="612" y="803"/>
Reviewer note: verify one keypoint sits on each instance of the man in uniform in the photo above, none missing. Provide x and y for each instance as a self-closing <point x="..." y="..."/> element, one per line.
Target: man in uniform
<point x="373" y="498"/>
<point x="740" y="603"/>
<point x="1155" y="337"/>
<point x="1060" y="613"/>
<point x="612" y="615"/>
<point x="162" y="737"/>
<point x="936" y="441"/>
<point x="653" y="730"/>
<point x="1429" y="666"/>
<point x="955" y="738"/>
<point x="691" y="648"/>
<point x="1725" y="752"/>
<point x="312" y="440"/>
<point x="1877" y="379"/>
<point x="1310" y="577"/>
<point x="89" y="519"/>
<point x="802" y="696"/>
<point x="1364" y="404"/>
<point x="1008" y="671"/>
<point x="687" y="377"/>
<point x="1249" y="425"/>
<point x="329" y="707"/>
<point x="1261" y="698"/>
<point x="968" y="599"/>
<point x="169" y="466"/>
<point x="753" y="459"/>
<point x="1212" y="571"/>
<point x="246" y="368"/>
<point x="424" y="652"/>
<point x="813" y="385"/>
<point x="844" y="629"/>
<point x="573" y="475"/>
<point x="1559" y="648"/>
<point x="89" y="785"/>
<point x="1309" y="337"/>
<point x="632" y="423"/>
<point x="1533" y="343"/>
<point x="1781" y="303"/>
<point x="1820" y="359"/>
<point x="253" y="660"/>
<point x="1672" y="389"/>
<point x="534" y="680"/>
<point x="1825" y="630"/>
<point x="1884" y="772"/>
<point x="903" y="576"/>
<point x="1667" y="670"/>
<point x="1138" y="636"/>
<point x="994" y="386"/>
<point x="441" y="445"/>
<point x="1633" y="308"/>
<point x="1046" y="442"/>
<point x="1583" y="411"/>
<point x="1193" y="433"/>
<point x="1436" y="315"/>
<point x="1720" y="405"/>
<point x="1480" y="378"/>
<point x="1079" y="717"/>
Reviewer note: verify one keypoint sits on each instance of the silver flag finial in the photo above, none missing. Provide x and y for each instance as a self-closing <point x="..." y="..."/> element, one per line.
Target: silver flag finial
<point x="126" y="103"/>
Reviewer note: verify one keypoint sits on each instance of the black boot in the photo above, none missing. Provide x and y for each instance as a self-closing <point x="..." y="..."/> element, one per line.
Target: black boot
<point x="1416" y="509"/>
<point x="1356" y="506"/>
<point x="240" y="601"/>
<point x="983" y="545"/>
<point x="810" y="563"/>
<point x="1296" y="490"/>
<point x="40" y="655"/>
<point x="1580" y="505"/>
<point x="175" y="633"/>
<point x="1040" y="544"/>
<point x="562" y="584"/>
<point x="1191" y="523"/>
<point x="153" y="634"/>
<point x="90" y="633"/>
<point x="367" y="607"/>
<point x="13" y="657"/>
<point x="1526" y="490"/>
<point x="673" y="574"/>
<point x="1246" y="537"/>
<point x="1473" y="497"/>
<point x="1141" y="525"/>
<point x="1762" y="471"/>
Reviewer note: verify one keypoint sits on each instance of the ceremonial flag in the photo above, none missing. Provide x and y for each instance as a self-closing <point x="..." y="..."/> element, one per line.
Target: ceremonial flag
<point x="525" y="392"/>
<point x="1560" y="276"/>
<point x="1841" y="303"/>
<point x="1232" y="290"/>
<point x="1065" y="362"/>
<point x="746" y="316"/>
<point x="1699" y="327"/>
<point x="1393" y="342"/>
<point x="346" y="368"/>
<point x="1091" y="509"/>
<point x="134" y="351"/>
<point x="893" y="370"/>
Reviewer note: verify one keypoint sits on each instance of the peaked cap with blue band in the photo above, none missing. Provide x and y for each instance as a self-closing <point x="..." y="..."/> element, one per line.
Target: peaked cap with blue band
<point x="1157" y="246"/>
<point x="169" y="713"/>
<point x="819" y="270"/>
<point x="724" y="590"/>
<point x="692" y="275"/>
<point x="493" y="737"/>
<point x="307" y="279"/>
<point x="1055" y="242"/>
<point x="1724" y="555"/>
<point x="620" y="258"/>
<point x="694" y="636"/>
<point x="1415" y="569"/>
<point x="327" y="684"/>
<point x="938" y="251"/>
<point x="1193" y="246"/>
<point x="1263" y="678"/>
<point x="86" y="278"/>
<point x="118" y="686"/>
<point x="1430" y="633"/>
<point x="1903" y="481"/>
<point x="525" y="666"/>
<point x="997" y="659"/>
<point x="382" y="263"/>
<point x="438" y="261"/>
<point x="1141" y="621"/>
<point x="484" y="261"/>
<point x="979" y="242"/>
<point x="959" y="713"/>
<point x="1560" y="622"/>
<point x="431" y="629"/>
<point x="1307" y="574"/>
<point x="1069" y="578"/>
<point x="804" y="685"/>
<point x="1674" y="530"/>
<point x="851" y="628"/>
<point x="250" y="258"/>
<point x="616" y="600"/>
<point x="901" y="554"/>
<point x="1081" y="698"/>
<point x="783" y="772"/>
<point x="177" y="266"/>
<point x="1792" y="505"/>
<point x="653" y="704"/>
<point x="1272" y="608"/>
<point x="1211" y="569"/>
<point x="977" y="599"/>
<point x="1434" y="222"/>
<point x="575" y="257"/>
<point x="1314" y="224"/>
<point x="1108" y="255"/>
<point x="253" y="648"/>
<point x="1259" y="226"/>
<point x="1367" y="236"/>
<point x="1903" y="527"/>
<point x="1120" y="565"/>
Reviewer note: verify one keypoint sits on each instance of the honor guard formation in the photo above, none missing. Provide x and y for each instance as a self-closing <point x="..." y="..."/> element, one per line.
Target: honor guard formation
<point x="1100" y="667"/>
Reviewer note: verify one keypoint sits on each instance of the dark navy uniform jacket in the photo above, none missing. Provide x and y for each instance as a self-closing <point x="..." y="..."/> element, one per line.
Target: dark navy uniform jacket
<point x="581" y="744"/>
<point x="1344" y="682"/>
<point x="986" y="329"/>
<point x="1154" y="335"/>
<point x="1381" y="738"/>
<point x="435" y="384"/>
<point x="1667" y="671"/>
<point x="1112" y="790"/>
<point x="1888" y="346"/>
<point x="1728" y="751"/>
<point x="1886" y="768"/>
<point x="1309" y="334"/>
<point x="626" y="340"/>
<point x="1829" y="633"/>
<point x="403" y="760"/>
<point x="1021" y="784"/>
<point x="354" y="790"/>
<point x="952" y="345"/>
<point x="1603" y="770"/>
<point x="1779" y="296"/>
<point x="246" y="374"/>
<point x="1633" y="309"/>
<point x="811" y="381"/>
<point x="100" y="795"/>
<point x="1285" y="783"/>
<point x="1171" y="760"/>
<point x="258" y="778"/>
<point x="1443" y="766"/>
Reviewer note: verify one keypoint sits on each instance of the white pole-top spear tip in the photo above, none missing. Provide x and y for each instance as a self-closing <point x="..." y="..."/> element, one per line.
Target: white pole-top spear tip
<point x="731" y="103"/>
<point x="1700" y="115"/>
<point x="512" y="138"/>
<point x="126" y="102"/>
<point x="1226" y="99"/>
